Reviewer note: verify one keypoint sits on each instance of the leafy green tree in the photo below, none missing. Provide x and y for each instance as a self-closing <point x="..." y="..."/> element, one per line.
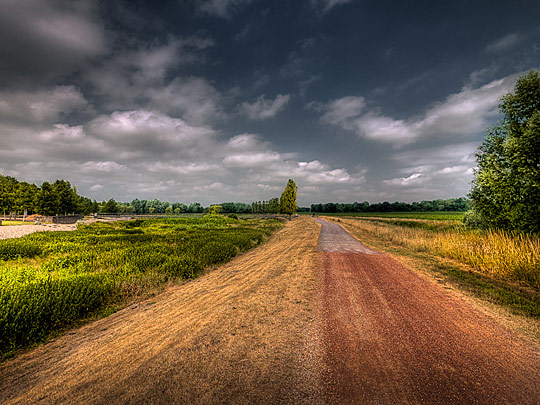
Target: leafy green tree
<point x="85" y="206"/>
<point x="506" y="188"/>
<point x="195" y="207"/>
<point x="110" y="206"/>
<point x="25" y="196"/>
<point x="169" y="210"/>
<point x="273" y="206"/>
<point x="181" y="206"/>
<point x="47" y="202"/>
<point x="214" y="209"/>
<point x="287" y="202"/>
<point x="67" y="197"/>
<point x="8" y="186"/>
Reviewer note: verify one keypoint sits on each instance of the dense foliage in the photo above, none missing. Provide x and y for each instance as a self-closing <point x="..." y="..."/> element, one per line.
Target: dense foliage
<point x="453" y="204"/>
<point x="61" y="198"/>
<point x="266" y="207"/>
<point x="49" y="280"/>
<point x="506" y="188"/>
<point x="287" y="202"/>
<point x="49" y="199"/>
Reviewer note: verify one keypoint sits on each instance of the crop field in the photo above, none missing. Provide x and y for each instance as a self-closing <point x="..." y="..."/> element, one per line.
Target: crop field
<point x="51" y="280"/>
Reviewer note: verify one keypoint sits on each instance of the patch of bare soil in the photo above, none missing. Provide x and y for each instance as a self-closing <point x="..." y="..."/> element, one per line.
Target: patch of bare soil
<point x="239" y="334"/>
<point x="16" y="231"/>
<point x="391" y="336"/>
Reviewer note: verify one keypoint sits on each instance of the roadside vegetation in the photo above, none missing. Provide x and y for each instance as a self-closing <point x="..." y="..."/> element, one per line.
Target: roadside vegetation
<point x="501" y="266"/>
<point x="433" y="216"/>
<point x="506" y="187"/>
<point x="52" y="280"/>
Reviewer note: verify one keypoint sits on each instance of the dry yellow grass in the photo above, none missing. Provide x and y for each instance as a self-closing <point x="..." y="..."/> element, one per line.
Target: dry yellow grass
<point x="514" y="257"/>
<point x="238" y="334"/>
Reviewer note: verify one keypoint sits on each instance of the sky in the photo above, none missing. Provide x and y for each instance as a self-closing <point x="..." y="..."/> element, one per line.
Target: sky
<point x="225" y="100"/>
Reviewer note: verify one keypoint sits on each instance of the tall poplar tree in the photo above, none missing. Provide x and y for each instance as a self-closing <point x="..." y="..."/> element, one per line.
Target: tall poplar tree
<point x="287" y="202"/>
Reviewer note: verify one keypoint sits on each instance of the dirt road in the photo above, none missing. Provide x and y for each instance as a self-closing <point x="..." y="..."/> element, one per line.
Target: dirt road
<point x="390" y="337"/>
<point x="234" y="335"/>
<point x="300" y="319"/>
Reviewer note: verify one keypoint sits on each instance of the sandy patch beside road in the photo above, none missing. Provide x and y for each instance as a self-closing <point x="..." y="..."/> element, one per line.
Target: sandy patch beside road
<point x="16" y="231"/>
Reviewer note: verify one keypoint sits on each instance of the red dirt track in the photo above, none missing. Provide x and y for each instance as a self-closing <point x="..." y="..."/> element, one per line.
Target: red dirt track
<point x="390" y="336"/>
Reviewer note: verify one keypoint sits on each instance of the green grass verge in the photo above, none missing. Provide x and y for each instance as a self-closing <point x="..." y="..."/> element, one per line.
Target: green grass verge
<point x="50" y="281"/>
<point x="11" y="223"/>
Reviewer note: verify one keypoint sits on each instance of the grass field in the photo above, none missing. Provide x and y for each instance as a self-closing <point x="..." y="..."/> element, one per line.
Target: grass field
<point x="431" y="215"/>
<point x="500" y="266"/>
<point x="51" y="280"/>
<point x="11" y="223"/>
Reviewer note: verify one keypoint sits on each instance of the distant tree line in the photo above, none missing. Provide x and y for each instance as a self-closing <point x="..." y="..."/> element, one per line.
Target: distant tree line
<point x="60" y="198"/>
<point x="164" y="207"/>
<point x="286" y="204"/>
<point x="55" y="198"/>
<point x="265" y="207"/>
<point x="453" y="204"/>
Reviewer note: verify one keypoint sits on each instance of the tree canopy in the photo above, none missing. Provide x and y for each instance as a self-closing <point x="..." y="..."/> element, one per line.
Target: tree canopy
<point x="287" y="202"/>
<point x="506" y="188"/>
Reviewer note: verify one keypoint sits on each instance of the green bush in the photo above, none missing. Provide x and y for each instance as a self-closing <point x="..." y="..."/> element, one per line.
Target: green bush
<point x="17" y="248"/>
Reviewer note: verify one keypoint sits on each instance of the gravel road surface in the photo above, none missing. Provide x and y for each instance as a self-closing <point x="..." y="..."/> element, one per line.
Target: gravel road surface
<point x="390" y="336"/>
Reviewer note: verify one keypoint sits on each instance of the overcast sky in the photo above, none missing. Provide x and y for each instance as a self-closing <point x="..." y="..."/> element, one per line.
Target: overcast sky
<point x="224" y="100"/>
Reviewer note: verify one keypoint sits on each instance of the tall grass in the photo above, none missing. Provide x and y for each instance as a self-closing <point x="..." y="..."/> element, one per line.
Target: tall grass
<point x="50" y="280"/>
<point x="496" y="253"/>
<point x="509" y="256"/>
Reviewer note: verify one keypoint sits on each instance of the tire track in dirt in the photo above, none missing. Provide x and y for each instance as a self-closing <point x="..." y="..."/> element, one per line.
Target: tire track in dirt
<point x="390" y="336"/>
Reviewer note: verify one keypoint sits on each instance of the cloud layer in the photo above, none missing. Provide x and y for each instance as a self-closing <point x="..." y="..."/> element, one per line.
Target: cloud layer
<point x="460" y="115"/>
<point x="220" y="100"/>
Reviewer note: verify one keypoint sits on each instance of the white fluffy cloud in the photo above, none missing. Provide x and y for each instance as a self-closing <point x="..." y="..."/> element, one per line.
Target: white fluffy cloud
<point x="461" y="115"/>
<point x="341" y="110"/>
<point x="263" y="109"/>
<point x="42" y="106"/>
<point x="139" y="153"/>
<point x="138" y="79"/>
<point x="438" y="170"/>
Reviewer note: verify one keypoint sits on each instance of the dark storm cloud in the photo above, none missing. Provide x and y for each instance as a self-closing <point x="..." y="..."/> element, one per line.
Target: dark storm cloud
<point x="43" y="40"/>
<point x="226" y="99"/>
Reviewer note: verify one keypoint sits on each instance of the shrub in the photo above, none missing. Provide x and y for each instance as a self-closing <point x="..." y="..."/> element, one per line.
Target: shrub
<point x="14" y="248"/>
